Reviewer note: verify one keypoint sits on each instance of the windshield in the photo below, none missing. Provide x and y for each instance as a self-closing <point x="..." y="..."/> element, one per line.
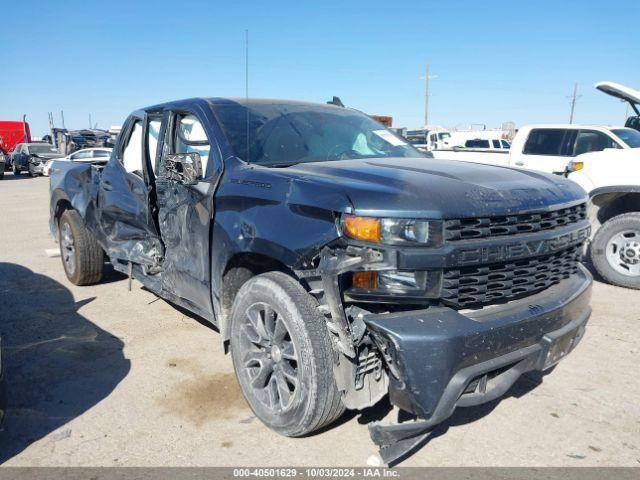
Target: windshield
<point x="628" y="136"/>
<point x="44" y="148"/>
<point x="283" y="134"/>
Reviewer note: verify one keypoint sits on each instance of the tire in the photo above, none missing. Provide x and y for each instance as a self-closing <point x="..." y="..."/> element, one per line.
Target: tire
<point x="313" y="400"/>
<point x="82" y="256"/>
<point x="2" y="172"/>
<point x="31" y="172"/>
<point x="615" y="250"/>
<point x="16" y="170"/>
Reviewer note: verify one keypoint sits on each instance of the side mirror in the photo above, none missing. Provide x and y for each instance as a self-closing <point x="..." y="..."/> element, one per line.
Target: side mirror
<point x="185" y="168"/>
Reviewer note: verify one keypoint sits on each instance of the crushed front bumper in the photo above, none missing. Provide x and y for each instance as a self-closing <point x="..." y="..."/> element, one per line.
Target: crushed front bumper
<point x="36" y="167"/>
<point x="441" y="358"/>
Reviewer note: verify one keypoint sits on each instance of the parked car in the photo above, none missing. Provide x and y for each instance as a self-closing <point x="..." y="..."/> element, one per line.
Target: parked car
<point x="548" y="148"/>
<point x="613" y="184"/>
<point x="31" y="157"/>
<point x="87" y="155"/>
<point x="338" y="263"/>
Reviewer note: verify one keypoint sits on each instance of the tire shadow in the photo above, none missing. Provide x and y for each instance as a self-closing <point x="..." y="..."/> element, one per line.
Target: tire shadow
<point x="57" y="364"/>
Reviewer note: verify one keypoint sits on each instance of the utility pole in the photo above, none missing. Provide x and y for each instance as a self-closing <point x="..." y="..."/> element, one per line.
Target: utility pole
<point x="90" y="124"/>
<point x="574" y="98"/>
<point x="426" y="97"/>
<point x="427" y="77"/>
<point x="62" y="117"/>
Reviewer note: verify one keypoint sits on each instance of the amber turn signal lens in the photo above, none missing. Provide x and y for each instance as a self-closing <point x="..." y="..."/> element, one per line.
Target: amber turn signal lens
<point x="366" y="280"/>
<point x="577" y="166"/>
<point x="362" y="228"/>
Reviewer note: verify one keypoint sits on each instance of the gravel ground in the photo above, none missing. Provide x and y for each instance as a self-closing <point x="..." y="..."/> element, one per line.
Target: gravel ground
<point x="100" y="376"/>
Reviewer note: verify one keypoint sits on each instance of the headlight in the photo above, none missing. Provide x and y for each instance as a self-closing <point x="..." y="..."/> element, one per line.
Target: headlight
<point x="393" y="231"/>
<point x="369" y="285"/>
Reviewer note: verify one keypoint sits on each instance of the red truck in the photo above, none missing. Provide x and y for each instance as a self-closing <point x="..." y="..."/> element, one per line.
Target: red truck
<point x="12" y="133"/>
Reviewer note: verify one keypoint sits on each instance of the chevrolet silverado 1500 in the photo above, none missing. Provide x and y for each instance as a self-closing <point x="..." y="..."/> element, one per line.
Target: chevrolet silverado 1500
<point x="339" y="264"/>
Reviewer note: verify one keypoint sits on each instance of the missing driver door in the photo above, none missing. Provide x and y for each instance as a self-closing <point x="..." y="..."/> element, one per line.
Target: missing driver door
<point x="185" y="213"/>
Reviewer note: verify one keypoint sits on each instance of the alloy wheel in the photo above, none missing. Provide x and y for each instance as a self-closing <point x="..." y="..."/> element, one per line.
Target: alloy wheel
<point x="269" y="357"/>
<point x="68" y="248"/>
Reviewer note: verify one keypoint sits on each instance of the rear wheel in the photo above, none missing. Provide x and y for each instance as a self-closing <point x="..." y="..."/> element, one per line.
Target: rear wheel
<point x="16" y="170"/>
<point x="82" y="255"/>
<point x="615" y="251"/>
<point x="282" y="355"/>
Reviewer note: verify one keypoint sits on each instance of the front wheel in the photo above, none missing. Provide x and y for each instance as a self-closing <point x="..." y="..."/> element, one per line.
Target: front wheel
<point x="82" y="255"/>
<point x="282" y="355"/>
<point x="615" y="250"/>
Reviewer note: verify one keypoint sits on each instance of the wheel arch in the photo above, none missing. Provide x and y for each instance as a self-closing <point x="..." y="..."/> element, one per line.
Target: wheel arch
<point x="240" y="268"/>
<point x="59" y="204"/>
<point x="608" y="202"/>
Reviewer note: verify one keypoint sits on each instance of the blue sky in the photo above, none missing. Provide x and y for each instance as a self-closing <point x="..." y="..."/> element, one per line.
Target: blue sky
<point x="494" y="61"/>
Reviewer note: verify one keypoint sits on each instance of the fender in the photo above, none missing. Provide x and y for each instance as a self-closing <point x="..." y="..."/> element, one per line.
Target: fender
<point x="604" y="204"/>
<point x="613" y="189"/>
<point x="261" y="211"/>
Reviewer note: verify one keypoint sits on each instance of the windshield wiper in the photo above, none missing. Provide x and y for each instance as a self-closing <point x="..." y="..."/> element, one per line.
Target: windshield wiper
<point x="280" y="165"/>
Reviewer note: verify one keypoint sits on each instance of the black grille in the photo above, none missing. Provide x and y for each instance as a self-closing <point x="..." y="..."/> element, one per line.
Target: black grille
<point x="484" y="227"/>
<point x="476" y="286"/>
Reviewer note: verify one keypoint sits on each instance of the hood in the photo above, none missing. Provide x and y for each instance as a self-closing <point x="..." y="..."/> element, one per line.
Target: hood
<point x="49" y="156"/>
<point x="628" y="94"/>
<point x="430" y="188"/>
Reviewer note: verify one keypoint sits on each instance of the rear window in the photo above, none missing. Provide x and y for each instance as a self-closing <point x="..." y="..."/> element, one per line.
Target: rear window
<point x="544" y="141"/>
<point x="477" y="143"/>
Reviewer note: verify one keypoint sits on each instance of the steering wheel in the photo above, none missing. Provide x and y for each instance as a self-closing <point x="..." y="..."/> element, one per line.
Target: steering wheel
<point x="345" y="154"/>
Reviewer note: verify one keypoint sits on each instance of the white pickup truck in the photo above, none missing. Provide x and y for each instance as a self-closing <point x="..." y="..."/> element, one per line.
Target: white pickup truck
<point x="602" y="160"/>
<point x="548" y="148"/>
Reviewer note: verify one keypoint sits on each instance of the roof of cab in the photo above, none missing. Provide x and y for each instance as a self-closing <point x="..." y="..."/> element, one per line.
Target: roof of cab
<point x="218" y="101"/>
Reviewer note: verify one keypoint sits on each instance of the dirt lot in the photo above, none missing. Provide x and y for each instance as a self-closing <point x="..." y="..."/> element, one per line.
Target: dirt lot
<point x="101" y="376"/>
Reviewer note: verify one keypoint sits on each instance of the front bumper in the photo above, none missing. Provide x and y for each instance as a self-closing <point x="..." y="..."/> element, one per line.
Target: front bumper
<point x="443" y="358"/>
<point x="36" y="167"/>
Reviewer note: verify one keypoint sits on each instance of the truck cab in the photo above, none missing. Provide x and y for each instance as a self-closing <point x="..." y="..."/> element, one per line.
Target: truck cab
<point x="428" y="140"/>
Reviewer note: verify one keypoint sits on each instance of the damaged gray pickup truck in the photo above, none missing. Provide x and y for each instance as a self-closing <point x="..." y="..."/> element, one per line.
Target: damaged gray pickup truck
<point x="338" y="263"/>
